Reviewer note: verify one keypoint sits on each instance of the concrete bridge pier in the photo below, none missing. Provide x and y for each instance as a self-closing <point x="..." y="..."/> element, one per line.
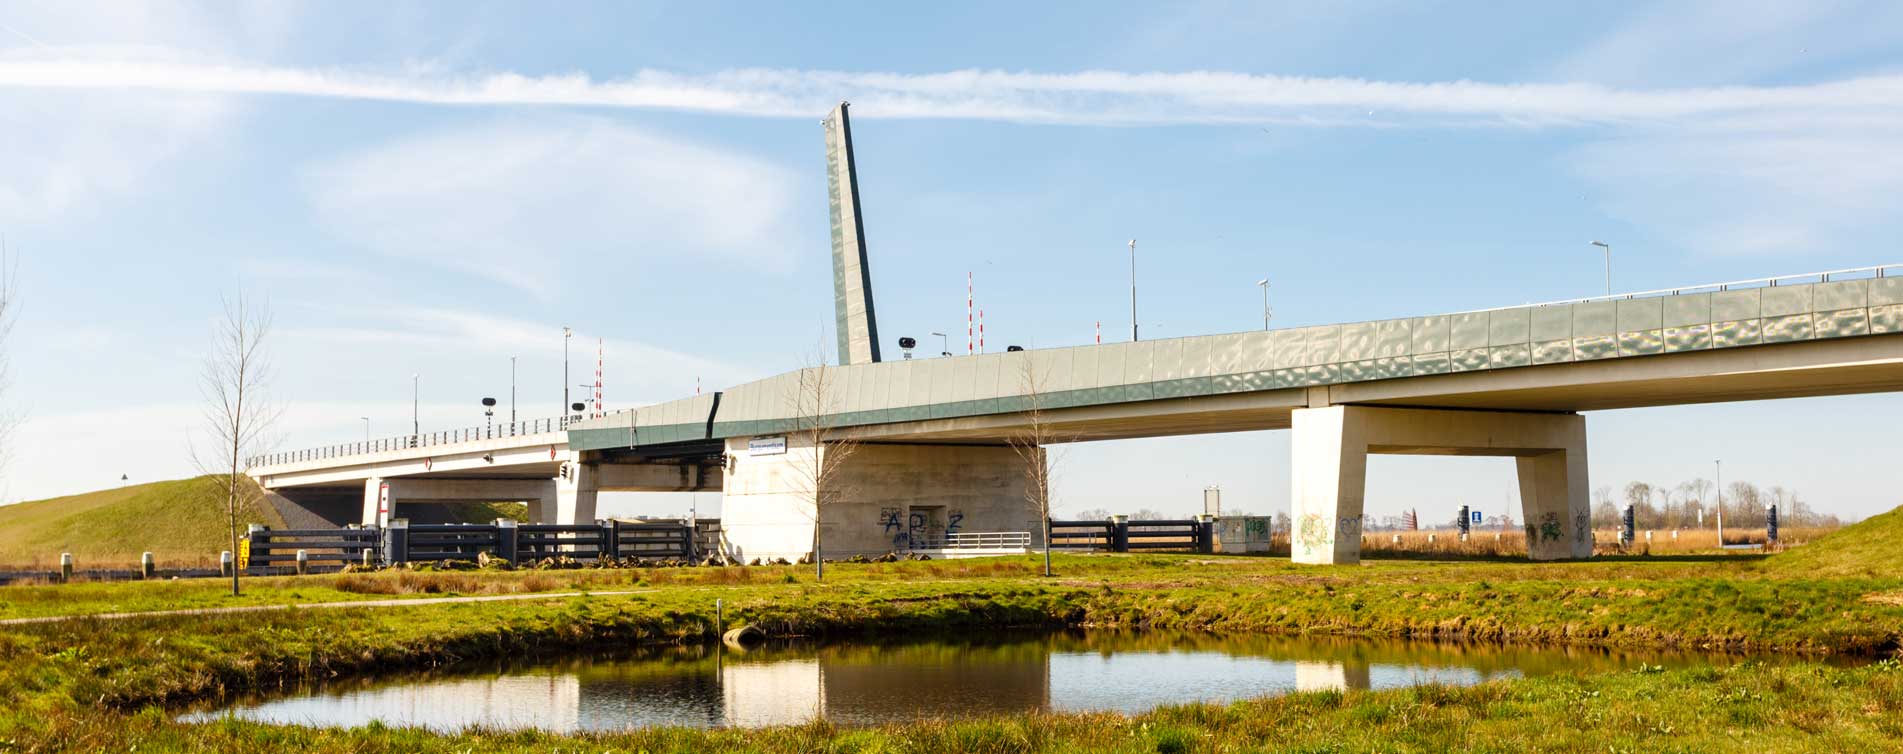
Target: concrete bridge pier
<point x="882" y="497"/>
<point x="1329" y="471"/>
<point x="576" y="488"/>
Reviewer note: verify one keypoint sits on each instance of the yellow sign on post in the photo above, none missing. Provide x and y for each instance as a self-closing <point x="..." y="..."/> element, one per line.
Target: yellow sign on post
<point x="244" y="553"/>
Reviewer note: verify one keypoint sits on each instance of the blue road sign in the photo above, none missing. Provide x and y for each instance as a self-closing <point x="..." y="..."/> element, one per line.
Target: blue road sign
<point x="1476" y="516"/>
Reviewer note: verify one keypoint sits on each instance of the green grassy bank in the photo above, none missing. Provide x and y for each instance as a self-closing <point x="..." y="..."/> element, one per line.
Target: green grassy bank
<point x="92" y="684"/>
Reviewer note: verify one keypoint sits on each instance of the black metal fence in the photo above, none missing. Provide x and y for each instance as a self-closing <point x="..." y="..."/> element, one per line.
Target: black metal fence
<point x="267" y="549"/>
<point x="1120" y="535"/>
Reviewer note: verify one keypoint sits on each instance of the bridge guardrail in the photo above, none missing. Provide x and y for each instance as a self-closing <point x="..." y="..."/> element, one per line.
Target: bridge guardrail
<point x="423" y="440"/>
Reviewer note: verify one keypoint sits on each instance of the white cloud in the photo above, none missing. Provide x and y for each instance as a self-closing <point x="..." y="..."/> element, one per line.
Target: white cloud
<point x="1089" y="97"/>
<point x="524" y="202"/>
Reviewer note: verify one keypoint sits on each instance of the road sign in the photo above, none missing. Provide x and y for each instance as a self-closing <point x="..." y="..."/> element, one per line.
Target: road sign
<point x="1475" y="515"/>
<point x="244" y="553"/>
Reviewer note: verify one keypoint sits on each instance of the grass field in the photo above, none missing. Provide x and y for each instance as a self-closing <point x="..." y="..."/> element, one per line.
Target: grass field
<point x="93" y="685"/>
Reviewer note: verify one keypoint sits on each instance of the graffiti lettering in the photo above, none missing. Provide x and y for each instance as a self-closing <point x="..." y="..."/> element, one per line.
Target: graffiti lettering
<point x="1549" y="527"/>
<point x="953" y="520"/>
<point x="1349" y="527"/>
<point x="1582" y="527"/>
<point x="1314" y="532"/>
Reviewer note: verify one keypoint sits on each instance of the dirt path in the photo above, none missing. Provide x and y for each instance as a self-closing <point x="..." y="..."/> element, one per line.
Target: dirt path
<point x="318" y="606"/>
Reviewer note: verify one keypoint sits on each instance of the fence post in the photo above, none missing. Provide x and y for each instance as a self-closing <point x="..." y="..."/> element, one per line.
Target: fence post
<point x="303" y="563"/>
<point x="396" y="542"/>
<point x="507" y="540"/>
<point x="610" y="539"/>
<point x="1626" y="526"/>
<point x="66" y="566"/>
<point x="1770" y="525"/>
<point x="1119" y="533"/>
<point x="1465" y="525"/>
<point x="690" y="544"/>
<point x="1206" y="534"/>
<point x="147" y="568"/>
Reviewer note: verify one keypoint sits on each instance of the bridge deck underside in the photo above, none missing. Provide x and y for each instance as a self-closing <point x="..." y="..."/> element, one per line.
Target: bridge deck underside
<point x="1837" y="367"/>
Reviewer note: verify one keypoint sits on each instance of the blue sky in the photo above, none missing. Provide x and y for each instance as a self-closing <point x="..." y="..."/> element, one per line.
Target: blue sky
<point x="433" y="188"/>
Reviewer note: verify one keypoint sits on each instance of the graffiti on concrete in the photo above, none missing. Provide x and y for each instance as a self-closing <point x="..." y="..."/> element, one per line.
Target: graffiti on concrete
<point x="1349" y="527"/>
<point x="1314" y="533"/>
<point x="894" y="526"/>
<point x="953" y="520"/>
<point x="1582" y="527"/>
<point x="1255" y="528"/>
<point x="1549" y="528"/>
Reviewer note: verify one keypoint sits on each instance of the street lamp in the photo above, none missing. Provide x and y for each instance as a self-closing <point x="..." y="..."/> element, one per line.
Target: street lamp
<point x="1265" y="302"/>
<point x="1608" y="249"/>
<point x="512" y="394"/>
<point x="366" y="428"/>
<point x="1720" y="466"/>
<point x="944" y="344"/>
<point x="1133" y="290"/>
<point x="416" y="420"/>
<point x="566" y="335"/>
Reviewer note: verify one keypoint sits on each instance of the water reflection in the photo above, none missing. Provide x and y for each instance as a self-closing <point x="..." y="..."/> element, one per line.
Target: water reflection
<point x="885" y="682"/>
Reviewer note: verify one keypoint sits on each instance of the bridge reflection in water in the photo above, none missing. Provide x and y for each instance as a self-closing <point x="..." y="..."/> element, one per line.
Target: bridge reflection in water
<point x="877" y="683"/>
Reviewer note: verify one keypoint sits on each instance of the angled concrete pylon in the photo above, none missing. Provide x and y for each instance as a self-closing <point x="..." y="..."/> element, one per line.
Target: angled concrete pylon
<point x="857" y="326"/>
<point x="1329" y="471"/>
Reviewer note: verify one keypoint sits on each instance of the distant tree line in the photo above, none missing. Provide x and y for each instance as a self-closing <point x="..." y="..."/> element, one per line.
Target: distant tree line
<point x="1694" y="504"/>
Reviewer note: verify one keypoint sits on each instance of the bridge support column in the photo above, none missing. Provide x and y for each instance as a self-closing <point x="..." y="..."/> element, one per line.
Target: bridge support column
<point x="377" y="502"/>
<point x="1330" y="463"/>
<point x="575" y="491"/>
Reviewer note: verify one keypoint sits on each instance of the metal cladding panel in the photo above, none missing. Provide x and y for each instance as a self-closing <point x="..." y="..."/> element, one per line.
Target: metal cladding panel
<point x="1843" y="294"/>
<point x="1687" y="309"/>
<point x="1787" y="329"/>
<point x="990" y="380"/>
<point x="1886" y="319"/>
<point x="1840" y="324"/>
<point x="1393" y="338"/>
<point x="964" y="381"/>
<point x="1110" y="361"/>
<point x="1886" y="291"/>
<point x="1595" y="318"/>
<point x="1225" y="354"/>
<point x="1783" y="301"/>
<point x="1688" y="338"/>
<point x="1138" y="363"/>
<point x="1468" y="331"/>
<point x="898" y="386"/>
<point x="1509" y="326"/>
<point x="1286" y="348"/>
<point x="1253" y="354"/>
<point x="1472" y="359"/>
<point x="1641" y="342"/>
<point x="1055" y="368"/>
<point x="1551" y="323"/>
<point x="1324" y="345"/>
<point x="1357" y="341"/>
<point x="1553" y="351"/>
<point x="1641" y="314"/>
<point x="1196" y="358"/>
<point x="922" y="391"/>
<point x="1517" y="355"/>
<point x="879" y="397"/>
<point x="1432" y="363"/>
<point x="1743" y="332"/>
<point x="940" y="372"/>
<point x="1083" y="367"/>
<point x="854" y="387"/>
<point x="1733" y="306"/>
<point x="1166" y="360"/>
<point x="1592" y="347"/>
<point x="1431" y="335"/>
<point x="852" y="279"/>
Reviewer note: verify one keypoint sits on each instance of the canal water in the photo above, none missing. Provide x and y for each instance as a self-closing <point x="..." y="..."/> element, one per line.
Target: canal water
<point x="870" y="683"/>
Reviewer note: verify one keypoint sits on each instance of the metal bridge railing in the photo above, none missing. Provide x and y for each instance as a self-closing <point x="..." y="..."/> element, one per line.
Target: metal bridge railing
<point x="978" y="540"/>
<point x="427" y="439"/>
<point x="1854" y="273"/>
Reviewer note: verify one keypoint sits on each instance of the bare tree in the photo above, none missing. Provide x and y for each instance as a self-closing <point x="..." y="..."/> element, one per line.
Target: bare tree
<point x="237" y="415"/>
<point x="1033" y="445"/>
<point x="819" y="460"/>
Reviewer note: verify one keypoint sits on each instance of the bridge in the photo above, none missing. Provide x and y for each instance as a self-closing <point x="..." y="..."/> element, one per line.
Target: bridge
<point x="931" y="440"/>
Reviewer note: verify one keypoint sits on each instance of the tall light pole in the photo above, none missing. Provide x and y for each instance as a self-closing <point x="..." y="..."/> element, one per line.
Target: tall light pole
<point x="1608" y="249"/>
<point x="1265" y="301"/>
<point x="416" y="416"/>
<point x="1133" y="290"/>
<point x="366" y="428"/>
<point x="944" y="344"/>
<point x="566" y="335"/>
<point x="1720" y="466"/>
<point x="512" y="393"/>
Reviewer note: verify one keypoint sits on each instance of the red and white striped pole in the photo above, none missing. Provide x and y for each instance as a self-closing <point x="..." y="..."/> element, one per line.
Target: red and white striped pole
<point x="981" y="331"/>
<point x="1100" y="332"/>
<point x="600" y="344"/>
<point x="969" y="347"/>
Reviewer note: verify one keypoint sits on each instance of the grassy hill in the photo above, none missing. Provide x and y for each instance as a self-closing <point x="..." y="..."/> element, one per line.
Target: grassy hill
<point x="181" y="522"/>
<point x="1872" y="548"/>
